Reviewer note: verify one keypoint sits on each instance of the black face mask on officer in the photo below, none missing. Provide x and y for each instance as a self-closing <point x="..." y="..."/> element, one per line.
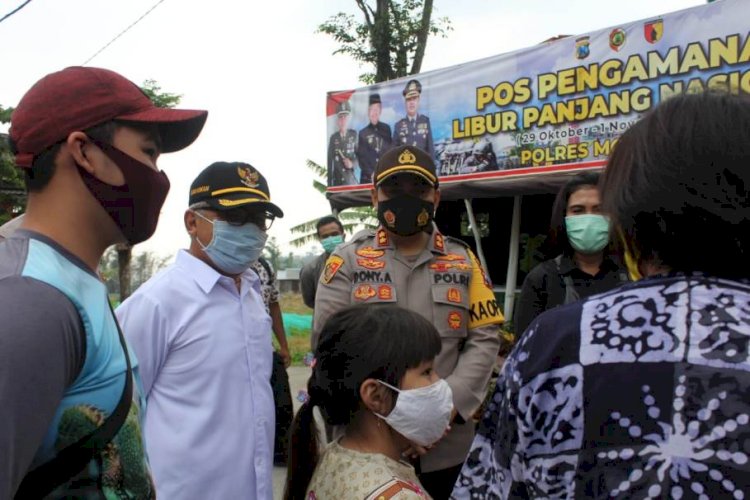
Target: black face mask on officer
<point x="405" y="215"/>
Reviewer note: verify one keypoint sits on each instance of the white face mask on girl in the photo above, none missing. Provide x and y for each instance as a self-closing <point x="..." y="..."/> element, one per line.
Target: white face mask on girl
<point x="421" y="415"/>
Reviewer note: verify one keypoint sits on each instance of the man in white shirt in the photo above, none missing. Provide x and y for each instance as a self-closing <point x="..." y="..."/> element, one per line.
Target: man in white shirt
<point x="201" y="334"/>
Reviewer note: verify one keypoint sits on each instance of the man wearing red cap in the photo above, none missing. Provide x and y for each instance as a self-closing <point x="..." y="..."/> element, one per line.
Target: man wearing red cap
<point x="88" y="141"/>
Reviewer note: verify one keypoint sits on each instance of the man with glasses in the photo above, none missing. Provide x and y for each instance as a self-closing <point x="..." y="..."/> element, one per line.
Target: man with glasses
<point x="408" y="262"/>
<point x="202" y="337"/>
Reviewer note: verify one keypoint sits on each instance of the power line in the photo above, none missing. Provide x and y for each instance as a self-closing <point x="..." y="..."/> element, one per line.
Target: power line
<point x="6" y="16"/>
<point x="122" y="32"/>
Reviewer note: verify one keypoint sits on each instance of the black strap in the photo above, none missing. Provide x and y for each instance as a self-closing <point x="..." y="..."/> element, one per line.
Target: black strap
<point x="70" y="461"/>
<point x="267" y="267"/>
<point x="571" y="294"/>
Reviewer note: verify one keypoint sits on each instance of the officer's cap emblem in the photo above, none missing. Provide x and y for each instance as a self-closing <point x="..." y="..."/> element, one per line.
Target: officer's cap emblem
<point x="248" y="176"/>
<point x="407" y="157"/>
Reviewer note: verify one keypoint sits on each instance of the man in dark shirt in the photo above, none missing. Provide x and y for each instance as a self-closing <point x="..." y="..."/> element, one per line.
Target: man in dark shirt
<point x="330" y="234"/>
<point x="374" y="140"/>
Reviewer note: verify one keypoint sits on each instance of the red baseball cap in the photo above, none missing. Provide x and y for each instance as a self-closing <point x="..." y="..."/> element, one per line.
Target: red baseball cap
<point x="78" y="98"/>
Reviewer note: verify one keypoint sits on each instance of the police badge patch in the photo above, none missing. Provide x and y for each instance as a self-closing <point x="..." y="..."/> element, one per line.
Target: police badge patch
<point x="333" y="264"/>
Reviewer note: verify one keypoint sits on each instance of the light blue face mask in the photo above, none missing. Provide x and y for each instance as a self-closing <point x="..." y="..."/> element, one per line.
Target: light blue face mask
<point x="233" y="248"/>
<point x="587" y="233"/>
<point x="330" y="243"/>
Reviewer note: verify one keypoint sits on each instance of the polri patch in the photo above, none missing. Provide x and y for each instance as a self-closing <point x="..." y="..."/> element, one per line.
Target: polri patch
<point x="333" y="264"/>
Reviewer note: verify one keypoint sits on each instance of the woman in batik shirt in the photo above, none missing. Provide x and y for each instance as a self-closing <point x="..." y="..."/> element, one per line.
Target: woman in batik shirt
<point x="644" y="391"/>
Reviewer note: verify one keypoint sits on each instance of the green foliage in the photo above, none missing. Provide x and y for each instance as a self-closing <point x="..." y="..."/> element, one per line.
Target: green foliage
<point x="12" y="189"/>
<point x="272" y="252"/>
<point x="142" y="266"/>
<point x="391" y="36"/>
<point x="352" y="218"/>
<point x="159" y="98"/>
<point x="5" y="114"/>
<point x="531" y="253"/>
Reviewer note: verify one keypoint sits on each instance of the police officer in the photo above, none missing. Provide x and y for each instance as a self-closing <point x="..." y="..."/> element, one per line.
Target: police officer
<point x="342" y="149"/>
<point x="414" y="130"/>
<point x="408" y="262"/>
<point x="374" y="140"/>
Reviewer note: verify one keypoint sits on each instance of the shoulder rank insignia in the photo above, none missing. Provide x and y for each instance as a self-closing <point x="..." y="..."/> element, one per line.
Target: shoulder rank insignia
<point x="382" y="237"/>
<point x="333" y="264"/>
<point x="370" y="252"/>
<point x="371" y="263"/>
<point x="439" y="242"/>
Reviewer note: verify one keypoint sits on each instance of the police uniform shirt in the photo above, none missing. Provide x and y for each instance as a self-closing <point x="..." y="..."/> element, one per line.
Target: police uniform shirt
<point x="340" y="147"/>
<point x="374" y="140"/>
<point x="446" y="285"/>
<point x="414" y="132"/>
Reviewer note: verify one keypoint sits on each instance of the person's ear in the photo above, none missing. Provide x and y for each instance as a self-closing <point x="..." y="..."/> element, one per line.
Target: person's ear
<point x="374" y="197"/>
<point x="191" y="223"/>
<point x="80" y="148"/>
<point x="375" y="396"/>
<point x="437" y="198"/>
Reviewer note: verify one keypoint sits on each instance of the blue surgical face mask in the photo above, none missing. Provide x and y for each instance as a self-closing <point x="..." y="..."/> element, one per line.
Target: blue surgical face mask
<point x="233" y="248"/>
<point x="330" y="243"/>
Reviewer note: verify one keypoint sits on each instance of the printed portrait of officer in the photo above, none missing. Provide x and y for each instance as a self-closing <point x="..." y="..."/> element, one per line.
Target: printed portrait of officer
<point x="414" y="129"/>
<point x="342" y="149"/>
<point x="374" y="140"/>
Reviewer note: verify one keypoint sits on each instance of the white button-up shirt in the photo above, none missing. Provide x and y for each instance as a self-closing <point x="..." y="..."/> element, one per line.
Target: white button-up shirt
<point x="204" y="351"/>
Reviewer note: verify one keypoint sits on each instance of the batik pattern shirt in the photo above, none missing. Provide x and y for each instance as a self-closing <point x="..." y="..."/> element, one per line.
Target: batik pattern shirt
<point x="642" y="392"/>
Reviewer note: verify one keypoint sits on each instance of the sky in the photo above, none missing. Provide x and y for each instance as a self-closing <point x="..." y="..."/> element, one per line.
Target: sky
<point x="262" y="71"/>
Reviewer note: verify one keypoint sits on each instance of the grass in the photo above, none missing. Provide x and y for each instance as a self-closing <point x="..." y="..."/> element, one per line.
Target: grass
<point x="292" y="303"/>
<point x="298" y="339"/>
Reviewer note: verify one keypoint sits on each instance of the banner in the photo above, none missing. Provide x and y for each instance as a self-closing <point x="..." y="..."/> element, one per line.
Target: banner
<point x="558" y="106"/>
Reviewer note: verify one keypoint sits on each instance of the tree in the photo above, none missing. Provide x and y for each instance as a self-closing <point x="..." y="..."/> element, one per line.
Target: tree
<point x="159" y="98"/>
<point x="12" y="189"/>
<point x="351" y="218"/>
<point x="392" y="37"/>
<point x="272" y="252"/>
<point x="125" y="251"/>
<point x="142" y="267"/>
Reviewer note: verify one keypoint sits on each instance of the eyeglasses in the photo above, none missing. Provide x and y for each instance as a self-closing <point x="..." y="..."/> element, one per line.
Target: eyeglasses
<point x="241" y="216"/>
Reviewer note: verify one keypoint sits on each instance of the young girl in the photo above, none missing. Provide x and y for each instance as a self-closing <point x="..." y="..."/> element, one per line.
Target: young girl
<point x="373" y="377"/>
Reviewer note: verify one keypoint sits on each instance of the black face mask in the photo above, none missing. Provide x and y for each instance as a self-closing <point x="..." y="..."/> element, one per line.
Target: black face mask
<point x="405" y="215"/>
